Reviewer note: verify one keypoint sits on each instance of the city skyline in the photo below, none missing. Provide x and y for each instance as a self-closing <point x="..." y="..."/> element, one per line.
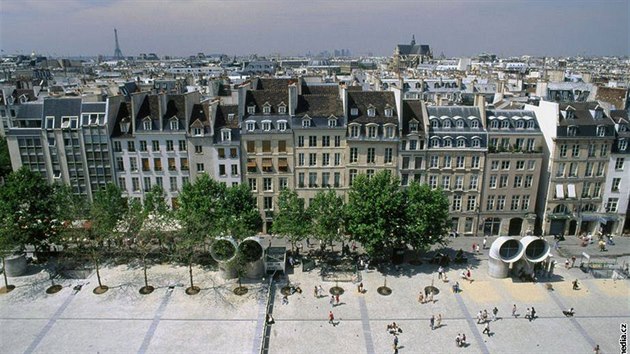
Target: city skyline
<point x="455" y="28"/>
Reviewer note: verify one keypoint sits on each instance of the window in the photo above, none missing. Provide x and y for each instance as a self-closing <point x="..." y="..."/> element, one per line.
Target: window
<point x="503" y="181"/>
<point x="597" y="189"/>
<point x="492" y="183"/>
<point x="312" y="141"/>
<point x="174" y="124"/>
<point x="615" y="185"/>
<point x="145" y="165"/>
<point x="201" y="168"/>
<point x="183" y="163"/>
<point x="516" y="201"/>
<point x="435" y="123"/>
<point x="531" y="144"/>
<point x="131" y="146"/>
<point x="474" y="161"/>
<point x="560" y="170"/>
<point x="198" y="149"/>
<point x="405" y="162"/>
<point x="266" y="109"/>
<point x="226" y="135"/>
<point x="133" y="164"/>
<point x="135" y="184"/>
<point x="283" y="183"/>
<point x="388" y="156"/>
<point x="325" y="141"/>
<point x="301" y="159"/>
<point x="388" y="112"/>
<point x="461" y="143"/>
<point x="448" y="142"/>
<point x="325" y="179"/>
<point x="266" y="146"/>
<point x="371" y="155"/>
<point x="490" y="203"/>
<point x="372" y="131"/>
<point x="171" y="164"/>
<point x="518" y="181"/>
<point x="474" y="124"/>
<point x="337" y="141"/>
<point x="251" y="147"/>
<point x="435" y="142"/>
<point x="122" y="183"/>
<point x="413" y="127"/>
<point x="572" y="130"/>
<point x="500" y="202"/>
<point x="433" y="181"/>
<point x="250" y="126"/>
<point x="531" y="164"/>
<point x="622" y="145"/>
<point x="563" y="150"/>
<point x="586" y="190"/>
<point x="413" y="144"/>
<point x="267" y="185"/>
<point x="337" y="158"/>
<point x="282" y="109"/>
<point x="494" y="165"/>
<point x="459" y="162"/>
<point x="446" y="182"/>
<point x="588" y="171"/>
<point x="575" y="151"/>
<point x="505" y="124"/>
<point x="354" y="155"/>
<point x="529" y="180"/>
<point x="472" y="203"/>
<point x="120" y="165"/>
<point x="389" y="132"/>
<point x="354" y="111"/>
<point x="169" y="145"/>
<point x="325" y="159"/>
<point x="525" y="203"/>
<point x="591" y="150"/>
<point x="146" y="124"/>
<point x="173" y="183"/>
<point x="418" y="162"/>
<point x="446" y="124"/>
<point x="520" y="124"/>
<point x="447" y="162"/>
<point x="459" y="182"/>
<point x="474" y="181"/>
<point x="601" y="131"/>
<point x="300" y="141"/>
<point x="312" y="179"/>
<point x="306" y="123"/>
<point x="266" y="125"/>
<point x="573" y="169"/>
<point x="619" y="163"/>
<point x="332" y="122"/>
<point x="222" y="170"/>
<point x="520" y="164"/>
<point x="457" y="203"/>
<point x="268" y="203"/>
<point x="233" y="153"/>
<point x="282" y="146"/>
<point x="494" y="124"/>
<point x="251" y="110"/>
<point x="117" y="146"/>
<point x="476" y="142"/>
<point x="267" y="165"/>
<point x="371" y="112"/>
<point x="337" y="179"/>
<point x="434" y="161"/>
<point x="460" y="124"/>
<point x="283" y="165"/>
<point x="312" y="159"/>
<point x="611" y="205"/>
<point x="603" y="151"/>
<point x="505" y="165"/>
<point x="600" y="169"/>
<point x="252" y="184"/>
<point x="143" y="145"/>
<point x="155" y="145"/>
<point x="182" y="145"/>
<point x="282" y="125"/>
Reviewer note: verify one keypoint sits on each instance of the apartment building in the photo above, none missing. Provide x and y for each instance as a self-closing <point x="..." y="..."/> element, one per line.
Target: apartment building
<point x="372" y="133"/>
<point x="319" y="140"/>
<point x="511" y="172"/>
<point x="617" y="192"/>
<point x="412" y="153"/>
<point x="456" y="149"/>
<point x="225" y="150"/>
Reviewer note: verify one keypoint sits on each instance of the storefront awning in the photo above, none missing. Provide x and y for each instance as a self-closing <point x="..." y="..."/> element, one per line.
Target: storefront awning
<point x="251" y="163"/>
<point x="267" y="163"/>
<point x="283" y="163"/>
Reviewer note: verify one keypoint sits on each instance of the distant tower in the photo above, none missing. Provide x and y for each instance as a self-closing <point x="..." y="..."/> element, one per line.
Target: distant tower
<point x="117" y="52"/>
<point x="413" y="39"/>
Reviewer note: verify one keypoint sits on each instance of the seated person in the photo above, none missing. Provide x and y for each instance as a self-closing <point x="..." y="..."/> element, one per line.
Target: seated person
<point x="576" y="285"/>
<point x="569" y="313"/>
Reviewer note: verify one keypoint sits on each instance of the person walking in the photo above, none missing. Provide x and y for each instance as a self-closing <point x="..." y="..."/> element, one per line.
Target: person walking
<point x="438" y="321"/>
<point x="332" y="300"/>
<point x="485" y="241"/>
<point x="479" y="317"/>
<point x="315" y="292"/>
<point x="440" y="272"/>
<point x="486" y="329"/>
<point x="495" y="310"/>
<point x="533" y="314"/>
<point x="514" y="311"/>
<point x="395" y="342"/>
<point x="528" y="314"/>
<point x="432" y="322"/>
<point x="337" y="299"/>
<point x="485" y="315"/>
<point x="331" y="318"/>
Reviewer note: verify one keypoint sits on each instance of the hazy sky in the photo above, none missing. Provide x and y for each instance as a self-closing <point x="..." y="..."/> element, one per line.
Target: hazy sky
<point x="288" y="27"/>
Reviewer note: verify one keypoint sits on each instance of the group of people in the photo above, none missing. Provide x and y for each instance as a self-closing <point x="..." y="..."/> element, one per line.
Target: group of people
<point x="435" y="322"/>
<point x="424" y="299"/>
<point x="393" y="328"/>
<point x="467" y="274"/>
<point x="482" y="316"/>
<point x="460" y="340"/>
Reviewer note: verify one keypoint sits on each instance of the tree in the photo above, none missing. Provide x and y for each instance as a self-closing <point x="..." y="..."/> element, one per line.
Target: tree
<point x="28" y="207"/>
<point x="241" y="217"/>
<point x="107" y="211"/>
<point x="426" y="216"/>
<point x="326" y="212"/>
<point x="199" y="213"/>
<point x="7" y="244"/>
<point x="292" y="220"/>
<point x="5" y="158"/>
<point x="375" y="212"/>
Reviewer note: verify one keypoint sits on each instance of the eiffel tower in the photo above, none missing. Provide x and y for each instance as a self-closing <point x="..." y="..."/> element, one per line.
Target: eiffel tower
<point x="117" y="52"/>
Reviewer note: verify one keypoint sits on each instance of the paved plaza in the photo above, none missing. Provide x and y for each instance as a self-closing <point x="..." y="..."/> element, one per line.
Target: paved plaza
<point x="217" y="321"/>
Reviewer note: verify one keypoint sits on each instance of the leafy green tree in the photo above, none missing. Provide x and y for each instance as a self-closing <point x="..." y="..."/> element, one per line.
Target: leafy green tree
<point x="326" y="212"/>
<point x="101" y="229"/>
<point x="426" y="215"/>
<point x="7" y="244"/>
<point x="292" y="221"/>
<point x="5" y="158"/>
<point x="27" y="205"/>
<point x="241" y="217"/>
<point x="375" y="212"/>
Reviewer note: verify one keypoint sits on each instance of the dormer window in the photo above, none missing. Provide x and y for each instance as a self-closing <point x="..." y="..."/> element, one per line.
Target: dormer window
<point x="282" y="125"/>
<point x="413" y="127"/>
<point x="251" y="109"/>
<point x="570" y="114"/>
<point x="494" y="124"/>
<point x="267" y="108"/>
<point x="306" y="122"/>
<point x="266" y="125"/>
<point x="354" y="111"/>
<point x="460" y="124"/>
<point x="50" y="123"/>
<point x="332" y="122"/>
<point x="601" y="130"/>
<point x="447" y="124"/>
<point x="435" y="124"/>
<point x="124" y="126"/>
<point x="226" y="135"/>
<point x="372" y="130"/>
<point x="174" y="123"/>
<point x="461" y="142"/>
<point x="505" y="124"/>
<point x="388" y="112"/>
<point x="65" y="122"/>
<point x="572" y="130"/>
<point x="282" y="109"/>
<point x="476" y="142"/>
<point x="530" y="124"/>
<point x="354" y="131"/>
<point x="474" y="124"/>
<point x="371" y="112"/>
<point x="448" y="142"/>
<point x="599" y="113"/>
<point x="622" y="144"/>
<point x="146" y="124"/>
<point x="520" y="124"/>
<point x="250" y="126"/>
<point x="435" y="142"/>
<point x="198" y="131"/>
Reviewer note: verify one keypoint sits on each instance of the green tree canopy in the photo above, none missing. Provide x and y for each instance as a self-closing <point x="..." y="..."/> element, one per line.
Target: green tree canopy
<point x="426" y="216"/>
<point x="201" y="207"/>
<point x="374" y="213"/>
<point x="241" y="217"/>
<point x="5" y="158"/>
<point x="292" y="221"/>
<point x="326" y="212"/>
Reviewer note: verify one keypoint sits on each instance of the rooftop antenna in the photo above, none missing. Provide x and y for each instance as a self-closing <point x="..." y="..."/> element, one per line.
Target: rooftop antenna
<point x="117" y="52"/>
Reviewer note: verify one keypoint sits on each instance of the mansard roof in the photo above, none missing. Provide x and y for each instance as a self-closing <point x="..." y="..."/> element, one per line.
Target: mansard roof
<point x="319" y="106"/>
<point x="379" y="100"/>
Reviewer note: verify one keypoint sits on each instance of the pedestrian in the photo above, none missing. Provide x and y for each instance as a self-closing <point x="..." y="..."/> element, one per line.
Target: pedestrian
<point x="576" y="285"/>
<point x="421" y="298"/>
<point x="495" y="310"/>
<point x="438" y="321"/>
<point x="533" y="313"/>
<point x="474" y="247"/>
<point x="360" y="288"/>
<point x="478" y="249"/>
<point x="486" y="329"/>
<point x="331" y="318"/>
<point x="320" y="291"/>
<point x="395" y="341"/>
<point x="573" y="259"/>
<point x="596" y="350"/>
<point x="528" y="314"/>
<point x="308" y="243"/>
<point x="458" y="340"/>
<point x="567" y="264"/>
<point x="485" y="241"/>
<point x="332" y="300"/>
<point x="440" y="272"/>
<point x="514" y="310"/>
<point x="485" y="315"/>
<point x="432" y="322"/>
<point x="463" y="340"/>
<point x="556" y="245"/>
<point x="337" y="299"/>
<point x="315" y="291"/>
<point x="479" y="317"/>
<point x="285" y="300"/>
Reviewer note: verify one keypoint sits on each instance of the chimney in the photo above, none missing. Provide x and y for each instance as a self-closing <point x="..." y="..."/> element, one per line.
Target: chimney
<point x="438" y="99"/>
<point x="293" y="99"/>
<point x="480" y="102"/>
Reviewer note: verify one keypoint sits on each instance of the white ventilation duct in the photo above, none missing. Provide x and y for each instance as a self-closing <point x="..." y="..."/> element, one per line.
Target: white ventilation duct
<point x="503" y="251"/>
<point x="536" y="249"/>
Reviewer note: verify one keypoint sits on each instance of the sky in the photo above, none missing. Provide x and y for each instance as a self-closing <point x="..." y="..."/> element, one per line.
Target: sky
<point x="293" y="27"/>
